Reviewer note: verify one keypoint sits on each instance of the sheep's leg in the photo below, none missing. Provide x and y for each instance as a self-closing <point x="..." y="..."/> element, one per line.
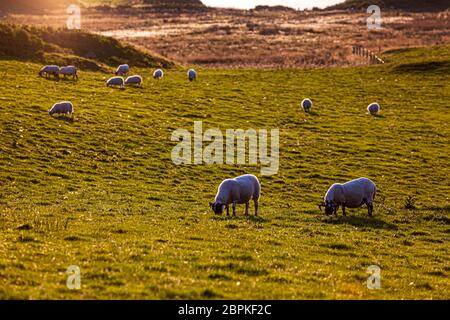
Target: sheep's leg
<point x="335" y="210"/>
<point x="234" y="208"/>
<point x="370" y="208"/>
<point x="256" y="208"/>
<point x="246" y="208"/>
<point x="343" y="210"/>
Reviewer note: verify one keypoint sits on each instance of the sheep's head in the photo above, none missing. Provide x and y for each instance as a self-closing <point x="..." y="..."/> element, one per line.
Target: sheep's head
<point x="217" y="207"/>
<point x="329" y="207"/>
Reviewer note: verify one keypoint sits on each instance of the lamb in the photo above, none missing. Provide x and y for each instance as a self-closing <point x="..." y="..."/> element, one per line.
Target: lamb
<point x="374" y="108"/>
<point x="352" y="194"/>
<point x="115" y="81"/>
<point x="137" y="80"/>
<point x="122" y="70"/>
<point x="192" y="74"/>
<point x="237" y="191"/>
<point x="65" y="107"/>
<point x="307" y="105"/>
<point x="49" y="70"/>
<point x="69" y="71"/>
<point x="158" y="74"/>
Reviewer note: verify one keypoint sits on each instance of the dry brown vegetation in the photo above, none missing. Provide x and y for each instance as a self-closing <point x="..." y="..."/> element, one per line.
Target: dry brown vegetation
<point x="263" y="38"/>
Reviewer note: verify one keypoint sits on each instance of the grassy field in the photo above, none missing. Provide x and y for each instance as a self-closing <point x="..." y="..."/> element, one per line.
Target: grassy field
<point x="102" y="193"/>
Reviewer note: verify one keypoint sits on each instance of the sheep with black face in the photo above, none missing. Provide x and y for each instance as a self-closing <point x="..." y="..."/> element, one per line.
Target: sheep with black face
<point x="49" y="70"/>
<point x="352" y="194"/>
<point x="235" y="191"/>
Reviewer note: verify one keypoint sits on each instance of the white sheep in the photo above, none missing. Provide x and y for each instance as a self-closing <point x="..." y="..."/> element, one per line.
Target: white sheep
<point x="115" y="81"/>
<point x="49" y="70"/>
<point x="237" y="191"/>
<point x="352" y="194"/>
<point x="122" y="70"/>
<point x="307" y="105"/>
<point x="374" y="108"/>
<point x="192" y="74"/>
<point x="137" y="80"/>
<point x="69" y="71"/>
<point x="158" y="74"/>
<point x="65" y="107"/>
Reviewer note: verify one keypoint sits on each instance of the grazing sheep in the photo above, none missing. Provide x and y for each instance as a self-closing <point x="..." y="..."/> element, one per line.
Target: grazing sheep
<point x="374" y="108"/>
<point x="122" y="70"/>
<point x="352" y="194"/>
<point x="307" y="105"/>
<point x="192" y="74"/>
<point x="49" y="70"/>
<point x="137" y="80"/>
<point x="115" y="81"/>
<point x="69" y="71"/>
<point x="65" y="107"/>
<point x="237" y="191"/>
<point x="158" y="74"/>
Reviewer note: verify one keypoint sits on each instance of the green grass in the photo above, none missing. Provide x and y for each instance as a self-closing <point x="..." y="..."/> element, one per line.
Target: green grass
<point x="102" y="192"/>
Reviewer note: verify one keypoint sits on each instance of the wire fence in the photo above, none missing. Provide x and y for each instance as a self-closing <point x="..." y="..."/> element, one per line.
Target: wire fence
<point x="366" y="53"/>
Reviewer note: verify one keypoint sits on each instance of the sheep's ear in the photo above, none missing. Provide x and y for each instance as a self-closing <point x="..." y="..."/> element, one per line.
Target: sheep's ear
<point x="320" y="207"/>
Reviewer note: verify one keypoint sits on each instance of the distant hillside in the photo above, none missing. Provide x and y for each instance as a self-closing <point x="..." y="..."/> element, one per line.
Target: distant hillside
<point x="62" y="46"/>
<point x="273" y="8"/>
<point x="38" y="6"/>
<point x="175" y="4"/>
<point x="407" y="5"/>
<point x="33" y="6"/>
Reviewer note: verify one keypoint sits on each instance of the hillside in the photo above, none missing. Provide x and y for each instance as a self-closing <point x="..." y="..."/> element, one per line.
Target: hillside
<point x="409" y="5"/>
<point x="175" y="4"/>
<point x="40" y="6"/>
<point x="101" y="191"/>
<point x="34" y="6"/>
<point x="63" y="46"/>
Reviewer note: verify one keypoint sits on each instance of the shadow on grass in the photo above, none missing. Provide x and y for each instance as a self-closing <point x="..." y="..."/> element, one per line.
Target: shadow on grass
<point x="64" y="118"/>
<point x="378" y="116"/>
<point x="312" y="113"/>
<point x="134" y="87"/>
<point x="69" y="80"/>
<point x="51" y="79"/>
<point x="367" y="222"/>
<point x="251" y="218"/>
<point x="444" y="208"/>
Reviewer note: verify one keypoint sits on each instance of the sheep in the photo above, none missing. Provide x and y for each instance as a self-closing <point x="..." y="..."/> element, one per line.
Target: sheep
<point x="115" y="81"/>
<point x="352" y="194"/>
<point x="137" y="80"/>
<point x="122" y="70"/>
<point x="192" y="74"/>
<point x="49" y="70"/>
<point x="307" y="105"/>
<point x="69" y="71"/>
<point x="158" y="74"/>
<point x="237" y="191"/>
<point x="373" y="108"/>
<point x="65" y="107"/>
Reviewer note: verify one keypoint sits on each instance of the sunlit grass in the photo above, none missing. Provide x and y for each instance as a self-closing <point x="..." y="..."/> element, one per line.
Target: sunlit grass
<point x="102" y="192"/>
